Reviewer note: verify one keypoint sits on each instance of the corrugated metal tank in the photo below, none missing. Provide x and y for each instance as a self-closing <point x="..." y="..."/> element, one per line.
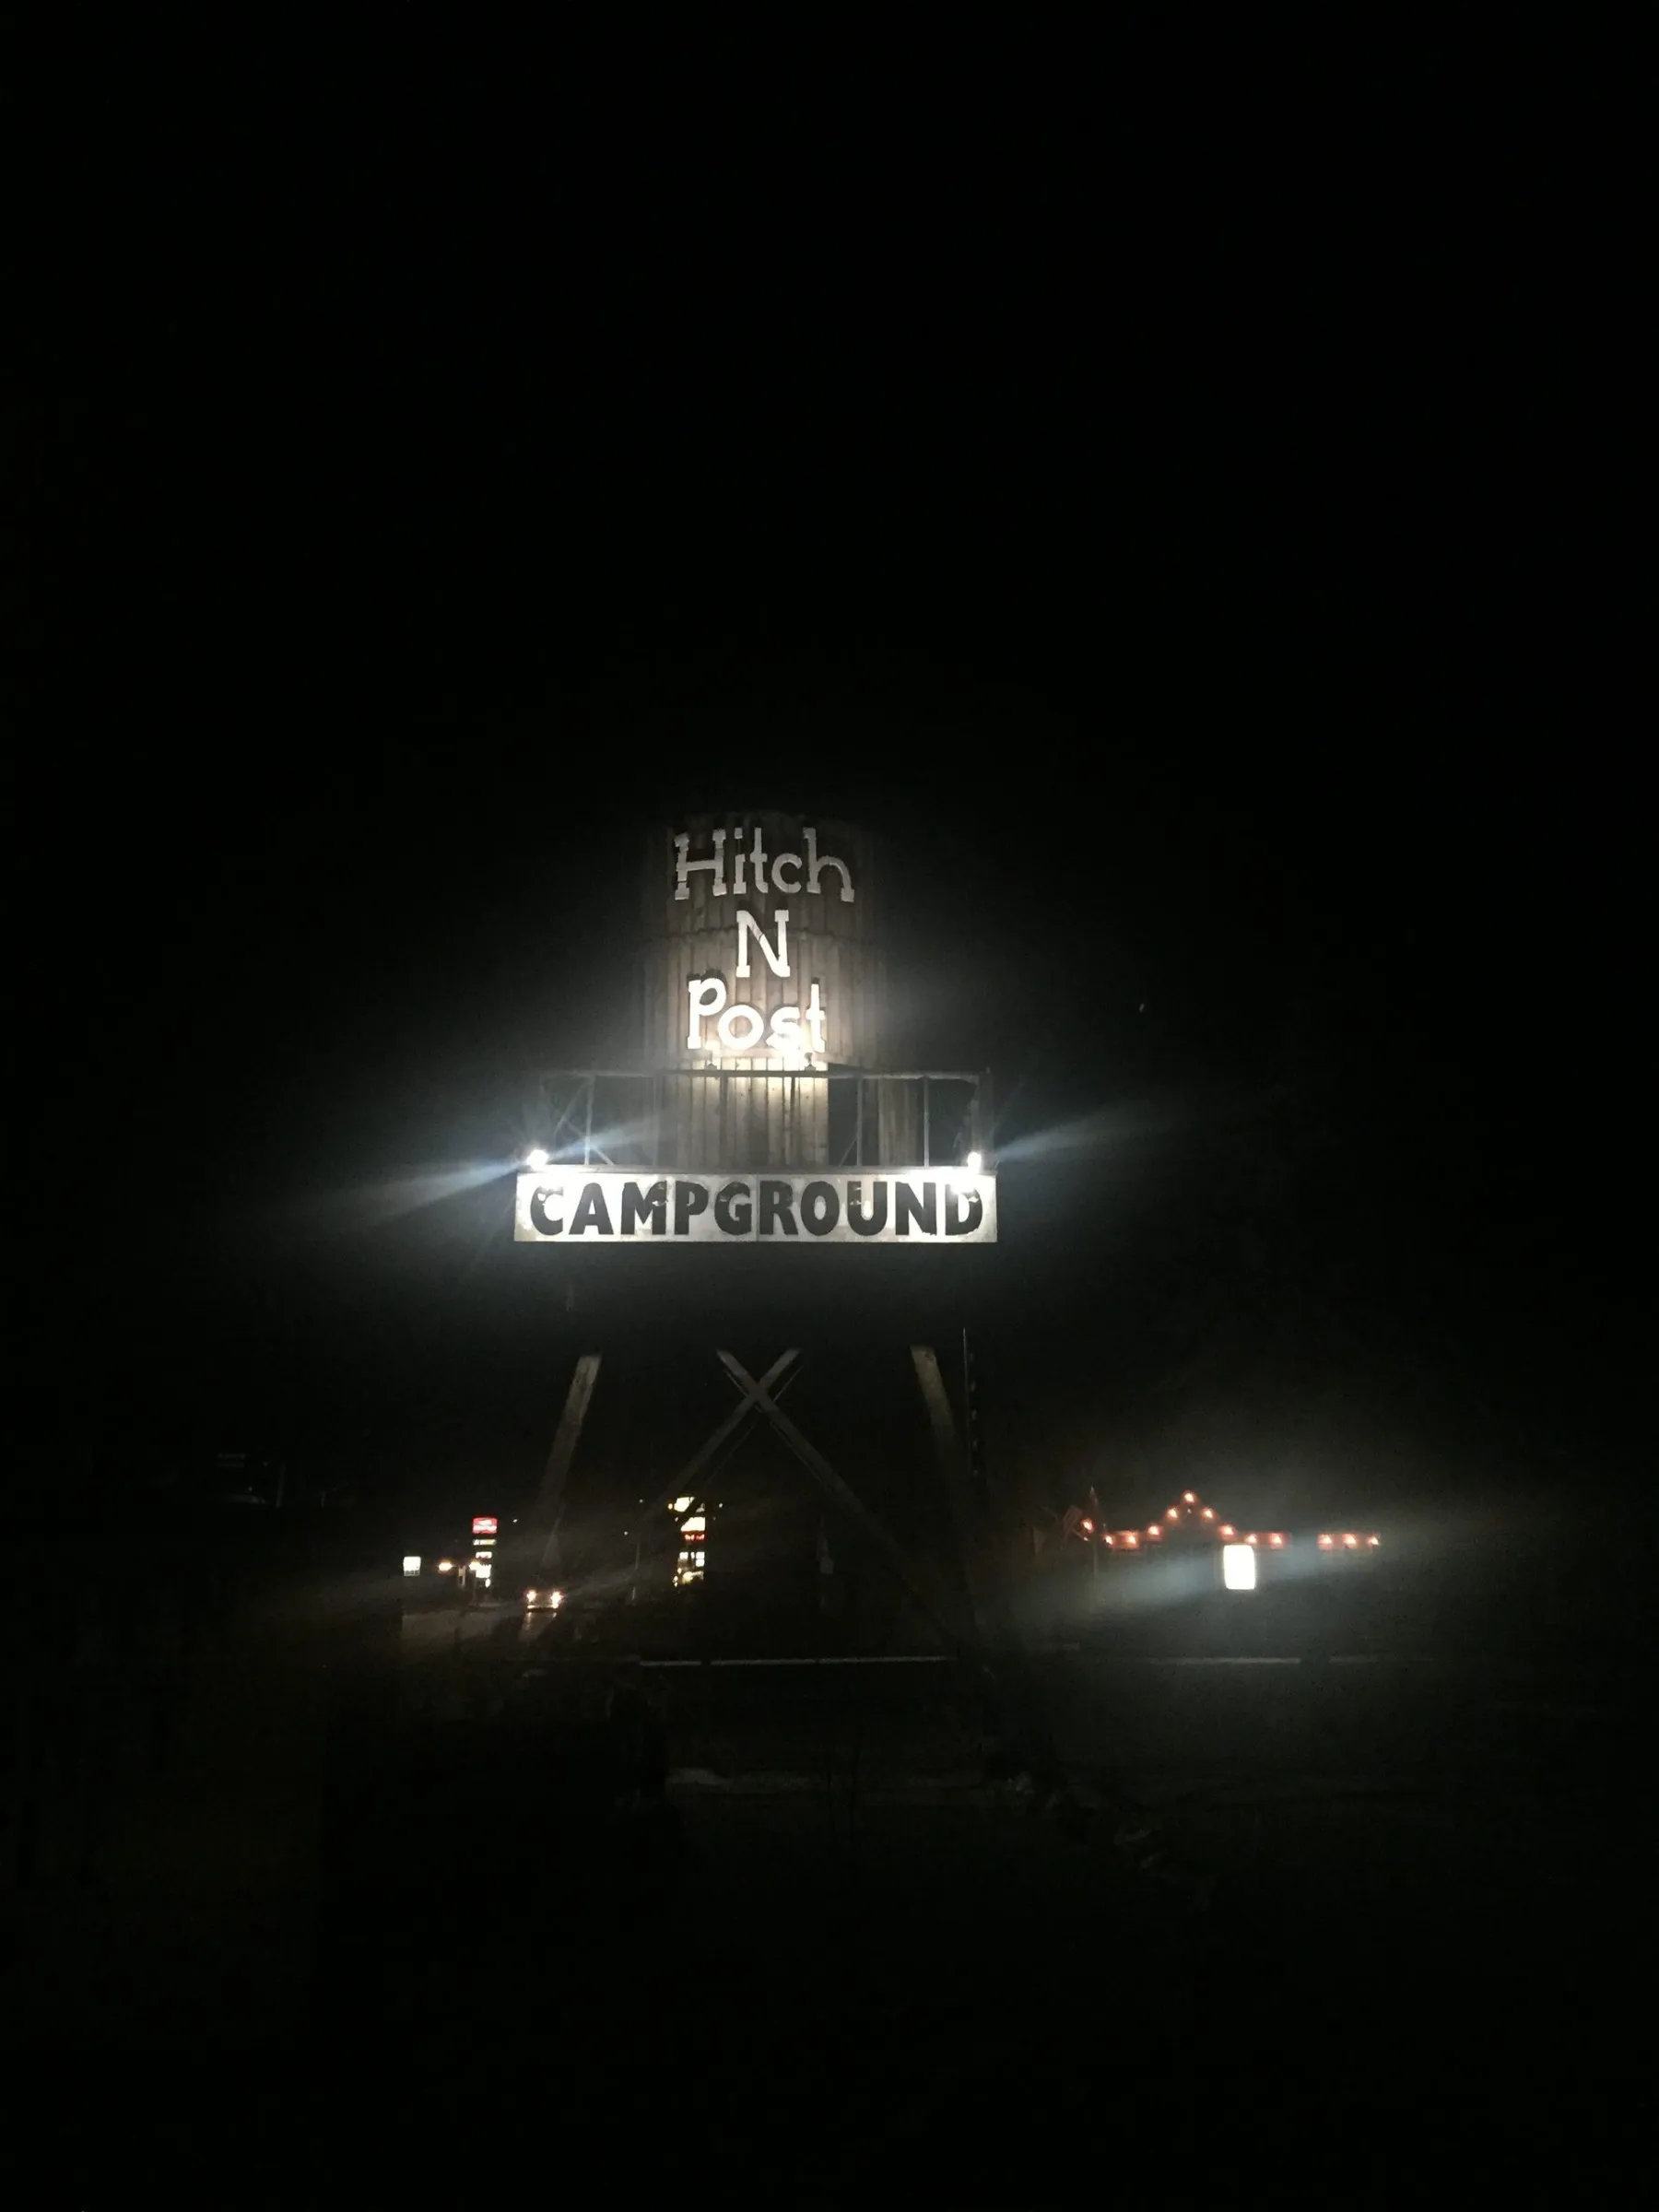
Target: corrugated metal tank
<point x="770" y="1107"/>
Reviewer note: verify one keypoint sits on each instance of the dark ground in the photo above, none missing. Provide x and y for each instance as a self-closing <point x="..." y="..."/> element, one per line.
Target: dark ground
<point x="356" y="1941"/>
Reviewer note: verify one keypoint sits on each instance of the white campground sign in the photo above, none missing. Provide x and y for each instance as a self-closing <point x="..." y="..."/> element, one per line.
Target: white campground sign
<point x="909" y="1206"/>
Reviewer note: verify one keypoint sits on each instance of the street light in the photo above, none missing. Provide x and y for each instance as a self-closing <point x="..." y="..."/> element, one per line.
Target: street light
<point x="537" y="1156"/>
<point x="974" y="1162"/>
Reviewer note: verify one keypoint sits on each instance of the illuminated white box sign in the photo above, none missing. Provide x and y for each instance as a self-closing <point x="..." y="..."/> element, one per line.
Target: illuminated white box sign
<point x="1237" y="1567"/>
<point x="912" y="1206"/>
<point x="719" y="1020"/>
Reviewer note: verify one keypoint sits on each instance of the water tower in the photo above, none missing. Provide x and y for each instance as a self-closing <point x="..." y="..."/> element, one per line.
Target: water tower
<point x="771" y="1104"/>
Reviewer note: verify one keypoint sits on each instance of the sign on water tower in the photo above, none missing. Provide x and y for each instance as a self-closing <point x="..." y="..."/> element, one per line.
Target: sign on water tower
<point x="762" y="945"/>
<point x="795" y="1033"/>
<point x="919" y="1205"/>
<point x="768" y="1044"/>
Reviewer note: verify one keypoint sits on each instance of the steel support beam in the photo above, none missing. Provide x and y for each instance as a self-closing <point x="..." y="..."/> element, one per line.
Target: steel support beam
<point x="1017" y="1700"/>
<point x="549" y="1496"/>
<point x="953" y="1466"/>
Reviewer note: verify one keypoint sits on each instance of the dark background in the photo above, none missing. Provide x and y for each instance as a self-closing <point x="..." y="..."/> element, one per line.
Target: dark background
<point x="1194" y="568"/>
<point x="1183" y="503"/>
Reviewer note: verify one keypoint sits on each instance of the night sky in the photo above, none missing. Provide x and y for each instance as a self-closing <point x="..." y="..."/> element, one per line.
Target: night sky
<point x="1213" y="656"/>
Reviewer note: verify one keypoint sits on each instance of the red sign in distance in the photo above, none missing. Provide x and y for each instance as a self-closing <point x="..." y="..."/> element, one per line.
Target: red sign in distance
<point x="484" y="1525"/>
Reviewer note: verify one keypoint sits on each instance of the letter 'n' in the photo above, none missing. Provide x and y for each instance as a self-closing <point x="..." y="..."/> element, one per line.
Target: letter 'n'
<point x="749" y="927"/>
<point x="923" y="1210"/>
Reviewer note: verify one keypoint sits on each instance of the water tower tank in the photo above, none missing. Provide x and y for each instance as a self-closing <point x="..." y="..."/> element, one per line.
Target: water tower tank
<point x="795" y="899"/>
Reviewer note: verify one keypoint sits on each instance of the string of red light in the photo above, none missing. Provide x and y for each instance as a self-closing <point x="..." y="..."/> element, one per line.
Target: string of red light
<point x="1191" y="1510"/>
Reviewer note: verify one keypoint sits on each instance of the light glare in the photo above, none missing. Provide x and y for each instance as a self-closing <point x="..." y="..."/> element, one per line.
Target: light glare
<point x="1237" y="1567"/>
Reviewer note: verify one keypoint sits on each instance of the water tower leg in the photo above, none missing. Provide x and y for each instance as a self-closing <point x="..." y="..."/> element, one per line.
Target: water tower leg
<point x="953" y="1467"/>
<point x="1014" y="1702"/>
<point x="542" y="1517"/>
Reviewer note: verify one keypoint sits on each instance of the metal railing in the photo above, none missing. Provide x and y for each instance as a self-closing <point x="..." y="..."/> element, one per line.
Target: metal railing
<point x="614" y="1117"/>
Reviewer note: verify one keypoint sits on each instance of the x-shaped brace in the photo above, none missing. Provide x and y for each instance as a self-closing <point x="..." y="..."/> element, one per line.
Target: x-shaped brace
<point x="760" y="1394"/>
<point x="780" y="1374"/>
